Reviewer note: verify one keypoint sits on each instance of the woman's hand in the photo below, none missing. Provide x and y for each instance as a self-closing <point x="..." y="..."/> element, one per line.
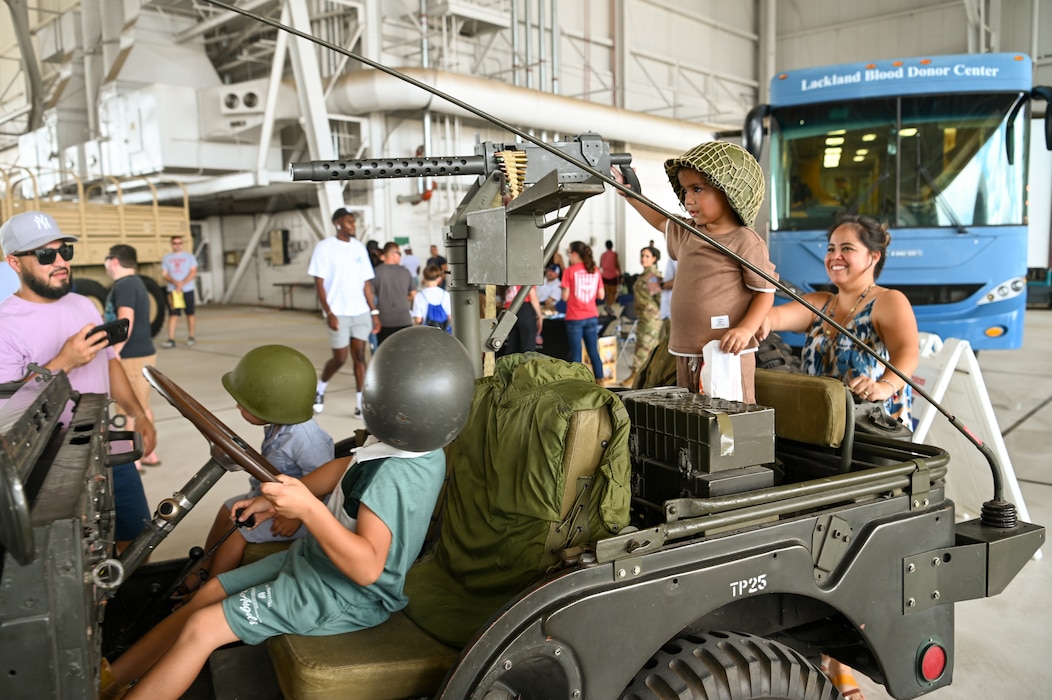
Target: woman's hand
<point x="867" y="389"/>
<point x="764" y="330"/>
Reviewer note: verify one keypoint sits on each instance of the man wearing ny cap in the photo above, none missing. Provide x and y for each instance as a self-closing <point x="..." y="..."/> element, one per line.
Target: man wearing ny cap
<point x="44" y="323"/>
<point x="343" y="279"/>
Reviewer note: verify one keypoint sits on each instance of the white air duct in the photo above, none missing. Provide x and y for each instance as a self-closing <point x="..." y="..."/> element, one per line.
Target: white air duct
<point x="368" y="91"/>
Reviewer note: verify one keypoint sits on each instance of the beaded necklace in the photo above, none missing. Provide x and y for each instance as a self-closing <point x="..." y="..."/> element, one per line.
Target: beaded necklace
<point x="831" y="333"/>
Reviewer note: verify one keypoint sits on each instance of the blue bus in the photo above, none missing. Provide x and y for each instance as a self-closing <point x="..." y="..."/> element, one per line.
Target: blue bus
<point x="937" y="148"/>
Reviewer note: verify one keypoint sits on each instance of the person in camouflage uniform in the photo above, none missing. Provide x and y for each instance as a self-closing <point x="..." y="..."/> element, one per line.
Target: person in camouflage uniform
<point x="647" y="294"/>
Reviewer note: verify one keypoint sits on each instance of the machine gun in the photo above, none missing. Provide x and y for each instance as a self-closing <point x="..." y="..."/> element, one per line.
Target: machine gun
<point x="496" y="234"/>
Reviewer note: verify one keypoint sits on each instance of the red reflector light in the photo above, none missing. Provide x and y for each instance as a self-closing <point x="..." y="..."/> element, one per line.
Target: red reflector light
<point x="933" y="663"/>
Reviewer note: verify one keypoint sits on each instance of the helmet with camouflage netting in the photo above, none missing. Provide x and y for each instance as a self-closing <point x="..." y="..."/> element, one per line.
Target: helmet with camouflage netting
<point x="418" y="389"/>
<point x="275" y="383"/>
<point x="730" y="168"/>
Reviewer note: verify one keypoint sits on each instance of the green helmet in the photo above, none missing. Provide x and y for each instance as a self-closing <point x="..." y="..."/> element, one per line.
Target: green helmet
<point x="418" y="389"/>
<point x="275" y="384"/>
<point x="727" y="166"/>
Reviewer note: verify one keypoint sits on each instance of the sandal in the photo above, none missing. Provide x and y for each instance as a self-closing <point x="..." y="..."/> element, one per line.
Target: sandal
<point x="156" y="462"/>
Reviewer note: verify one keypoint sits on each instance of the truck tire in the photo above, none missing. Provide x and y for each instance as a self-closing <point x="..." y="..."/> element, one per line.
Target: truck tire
<point x="729" y="666"/>
<point x="92" y="290"/>
<point x="158" y="304"/>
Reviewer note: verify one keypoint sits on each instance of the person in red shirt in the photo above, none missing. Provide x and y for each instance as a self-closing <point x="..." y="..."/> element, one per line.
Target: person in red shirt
<point x="582" y="288"/>
<point x="610" y="269"/>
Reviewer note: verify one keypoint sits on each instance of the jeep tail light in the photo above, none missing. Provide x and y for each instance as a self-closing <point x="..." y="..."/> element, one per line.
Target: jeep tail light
<point x="932" y="663"/>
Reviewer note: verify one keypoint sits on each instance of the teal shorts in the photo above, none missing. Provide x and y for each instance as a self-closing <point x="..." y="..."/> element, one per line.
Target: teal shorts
<point x="280" y="595"/>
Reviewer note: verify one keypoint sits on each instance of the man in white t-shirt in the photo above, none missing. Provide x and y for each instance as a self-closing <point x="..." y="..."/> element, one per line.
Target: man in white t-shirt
<point x="343" y="279"/>
<point x="411" y="263"/>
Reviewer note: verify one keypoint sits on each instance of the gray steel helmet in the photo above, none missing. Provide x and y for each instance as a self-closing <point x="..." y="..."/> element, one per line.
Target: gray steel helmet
<point x="275" y="383"/>
<point x="727" y="166"/>
<point x="418" y="389"/>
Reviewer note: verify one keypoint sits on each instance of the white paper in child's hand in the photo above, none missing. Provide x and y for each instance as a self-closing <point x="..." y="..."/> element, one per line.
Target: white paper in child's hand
<point x="721" y="375"/>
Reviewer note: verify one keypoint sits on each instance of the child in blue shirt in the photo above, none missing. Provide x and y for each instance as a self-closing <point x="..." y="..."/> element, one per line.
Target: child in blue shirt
<point x="274" y="387"/>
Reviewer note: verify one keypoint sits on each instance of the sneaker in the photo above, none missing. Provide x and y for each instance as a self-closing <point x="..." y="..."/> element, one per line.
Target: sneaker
<point x="357" y="412"/>
<point x="319" y="402"/>
<point x="168" y="343"/>
<point x="191" y="342"/>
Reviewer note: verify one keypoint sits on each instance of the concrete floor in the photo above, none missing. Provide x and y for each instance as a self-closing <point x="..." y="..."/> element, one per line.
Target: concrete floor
<point x="1003" y="645"/>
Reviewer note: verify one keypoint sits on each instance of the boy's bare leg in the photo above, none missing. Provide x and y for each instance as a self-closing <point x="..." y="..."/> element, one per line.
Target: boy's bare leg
<point x="205" y="631"/>
<point x="152" y="646"/>
<point x="228" y="556"/>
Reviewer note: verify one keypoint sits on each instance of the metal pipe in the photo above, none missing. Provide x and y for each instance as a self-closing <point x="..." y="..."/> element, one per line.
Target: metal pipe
<point x="164" y="522"/>
<point x="542" y="48"/>
<point x="365" y="92"/>
<point x="1035" y="44"/>
<point x="277" y="67"/>
<point x="527" y="33"/>
<point x="687" y="528"/>
<point x="425" y="59"/>
<point x="515" y="65"/>
<point x="556" y="38"/>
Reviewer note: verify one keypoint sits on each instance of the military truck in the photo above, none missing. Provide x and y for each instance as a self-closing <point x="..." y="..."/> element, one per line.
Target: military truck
<point x="98" y="216"/>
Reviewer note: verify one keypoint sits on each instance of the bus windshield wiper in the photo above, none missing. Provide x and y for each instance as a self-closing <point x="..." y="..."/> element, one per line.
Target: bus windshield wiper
<point x="941" y="200"/>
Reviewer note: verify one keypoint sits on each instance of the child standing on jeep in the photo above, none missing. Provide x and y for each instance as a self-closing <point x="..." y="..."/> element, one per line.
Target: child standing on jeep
<point x="431" y="305"/>
<point x="274" y="387"/>
<point x="348" y="573"/>
<point x="720" y="186"/>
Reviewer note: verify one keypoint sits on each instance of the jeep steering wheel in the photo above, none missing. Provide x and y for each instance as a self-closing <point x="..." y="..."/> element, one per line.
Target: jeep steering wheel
<point x="218" y="435"/>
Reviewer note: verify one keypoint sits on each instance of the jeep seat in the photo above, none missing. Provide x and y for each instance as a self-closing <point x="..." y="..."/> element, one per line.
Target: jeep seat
<point x="391" y="661"/>
<point x="806" y="408"/>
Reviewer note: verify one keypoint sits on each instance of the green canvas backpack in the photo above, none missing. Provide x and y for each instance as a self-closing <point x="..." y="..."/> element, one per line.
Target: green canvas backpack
<point x="542" y="468"/>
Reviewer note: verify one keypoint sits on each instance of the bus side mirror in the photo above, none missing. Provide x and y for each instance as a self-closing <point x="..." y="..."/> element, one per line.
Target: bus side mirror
<point x="752" y="134"/>
<point x="1045" y="93"/>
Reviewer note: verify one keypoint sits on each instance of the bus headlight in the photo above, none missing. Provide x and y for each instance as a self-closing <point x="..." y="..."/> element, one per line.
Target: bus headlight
<point x="1009" y="289"/>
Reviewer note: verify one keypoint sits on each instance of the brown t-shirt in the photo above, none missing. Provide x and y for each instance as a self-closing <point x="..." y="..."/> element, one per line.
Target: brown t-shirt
<point x="712" y="291"/>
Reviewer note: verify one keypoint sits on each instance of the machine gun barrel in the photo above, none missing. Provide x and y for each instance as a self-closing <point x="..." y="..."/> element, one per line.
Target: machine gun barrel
<point x="374" y="168"/>
<point x="441" y="166"/>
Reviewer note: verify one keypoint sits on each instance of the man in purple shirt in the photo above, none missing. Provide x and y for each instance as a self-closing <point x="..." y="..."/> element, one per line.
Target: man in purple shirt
<point x="44" y="323"/>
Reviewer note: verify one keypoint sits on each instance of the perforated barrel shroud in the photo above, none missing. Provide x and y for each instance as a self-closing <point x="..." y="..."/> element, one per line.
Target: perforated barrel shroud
<point x="698" y="433"/>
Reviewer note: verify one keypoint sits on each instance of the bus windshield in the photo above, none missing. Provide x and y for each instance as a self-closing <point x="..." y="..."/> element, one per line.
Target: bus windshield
<point x="913" y="161"/>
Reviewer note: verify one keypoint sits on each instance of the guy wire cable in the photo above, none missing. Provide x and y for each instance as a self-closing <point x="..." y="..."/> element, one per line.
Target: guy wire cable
<point x="995" y="466"/>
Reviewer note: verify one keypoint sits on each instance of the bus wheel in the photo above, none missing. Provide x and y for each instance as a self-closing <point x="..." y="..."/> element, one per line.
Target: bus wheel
<point x="158" y="304"/>
<point x="92" y="290"/>
<point x="729" y="665"/>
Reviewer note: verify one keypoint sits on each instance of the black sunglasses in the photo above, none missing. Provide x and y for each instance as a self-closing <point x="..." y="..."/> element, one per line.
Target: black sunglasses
<point x="46" y="256"/>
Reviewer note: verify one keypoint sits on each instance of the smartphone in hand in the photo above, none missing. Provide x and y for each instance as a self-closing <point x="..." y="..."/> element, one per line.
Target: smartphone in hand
<point x="116" y="331"/>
